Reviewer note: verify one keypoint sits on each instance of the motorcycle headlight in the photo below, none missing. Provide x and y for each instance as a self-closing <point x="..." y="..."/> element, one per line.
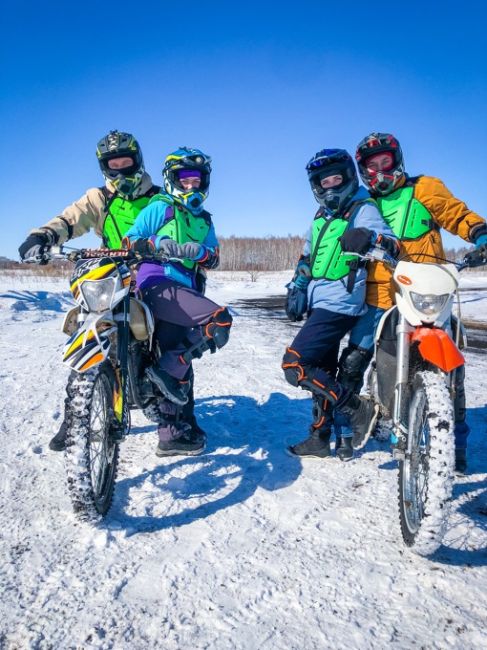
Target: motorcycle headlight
<point x="429" y="304"/>
<point x="98" y="294"/>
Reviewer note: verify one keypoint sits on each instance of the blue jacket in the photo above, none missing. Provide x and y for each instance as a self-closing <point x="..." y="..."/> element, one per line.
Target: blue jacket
<point x="149" y="221"/>
<point x="333" y="294"/>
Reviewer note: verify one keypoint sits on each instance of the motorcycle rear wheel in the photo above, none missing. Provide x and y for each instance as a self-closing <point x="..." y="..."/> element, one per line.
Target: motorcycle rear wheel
<point x="92" y="450"/>
<point x="426" y="473"/>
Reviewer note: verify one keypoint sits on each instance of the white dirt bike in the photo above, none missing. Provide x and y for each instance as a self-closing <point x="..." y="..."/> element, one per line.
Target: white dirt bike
<point x="412" y="380"/>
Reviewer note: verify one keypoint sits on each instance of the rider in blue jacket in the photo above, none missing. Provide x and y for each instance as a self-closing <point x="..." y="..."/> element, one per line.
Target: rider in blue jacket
<point x="187" y="323"/>
<point x="347" y="222"/>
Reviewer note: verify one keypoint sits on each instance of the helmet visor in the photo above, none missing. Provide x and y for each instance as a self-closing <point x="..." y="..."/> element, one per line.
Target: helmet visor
<point x="379" y="162"/>
<point x="123" y="164"/>
<point x="333" y="177"/>
<point x="189" y="179"/>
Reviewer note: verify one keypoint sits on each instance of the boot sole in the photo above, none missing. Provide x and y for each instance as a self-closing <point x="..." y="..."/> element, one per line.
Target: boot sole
<point x="368" y="433"/>
<point x="289" y="452"/>
<point x="57" y="447"/>
<point x="179" y="452"/>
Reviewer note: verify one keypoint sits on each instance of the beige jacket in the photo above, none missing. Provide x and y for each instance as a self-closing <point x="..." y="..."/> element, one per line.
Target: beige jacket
<point x="88" y="212"/>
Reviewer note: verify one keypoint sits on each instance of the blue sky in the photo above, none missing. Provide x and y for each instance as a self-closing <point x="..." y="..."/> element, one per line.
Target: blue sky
<point x="259" y="86"/>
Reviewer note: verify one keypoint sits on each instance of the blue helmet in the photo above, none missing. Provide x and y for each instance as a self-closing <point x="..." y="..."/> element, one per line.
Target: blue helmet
<point x="187" y="159"/>
<point x="331" y="162"/>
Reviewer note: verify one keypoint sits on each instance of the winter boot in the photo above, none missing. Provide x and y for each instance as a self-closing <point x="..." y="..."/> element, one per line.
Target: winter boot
<point x="187" y="415"/>
<point x="362" y="414"/>
<point x="460" y="461"/>
<point x="184" y="445"/>
<point x="176" y="391"/>
<point x="316" y="445"/>
<point x="58" y="442"/>
<point x="343" y="448"/>
<point x="196" y="431"/>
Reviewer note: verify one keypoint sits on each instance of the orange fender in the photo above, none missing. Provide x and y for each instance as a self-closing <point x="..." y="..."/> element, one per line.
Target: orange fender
<point x="437" y="347"/>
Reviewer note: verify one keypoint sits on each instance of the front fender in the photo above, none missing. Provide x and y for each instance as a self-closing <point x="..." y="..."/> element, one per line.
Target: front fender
<point x="89" y="345"/>
<point x="437" y="347"/>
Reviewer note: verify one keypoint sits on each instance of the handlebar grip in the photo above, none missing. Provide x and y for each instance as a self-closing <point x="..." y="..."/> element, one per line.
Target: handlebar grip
<point x="478" y="257"/>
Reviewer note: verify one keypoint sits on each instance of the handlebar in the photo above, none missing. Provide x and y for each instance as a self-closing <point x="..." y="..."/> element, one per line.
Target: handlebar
<point x="75" y="254"/>
<point x="475" y="258"/>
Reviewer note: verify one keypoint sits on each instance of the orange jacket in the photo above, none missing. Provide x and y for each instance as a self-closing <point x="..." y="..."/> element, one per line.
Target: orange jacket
<point x="447" y="212"/>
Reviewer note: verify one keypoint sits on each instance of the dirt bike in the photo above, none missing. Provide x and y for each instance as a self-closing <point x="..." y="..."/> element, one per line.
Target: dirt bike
<point x="109" y="347"/>
<point x="412" y="380"/>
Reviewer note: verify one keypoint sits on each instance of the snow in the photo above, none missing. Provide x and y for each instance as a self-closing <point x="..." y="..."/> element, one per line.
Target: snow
<point x="243" y="547"/>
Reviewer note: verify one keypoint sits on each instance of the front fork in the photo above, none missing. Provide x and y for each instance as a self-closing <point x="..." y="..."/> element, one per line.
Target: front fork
<point x="399" y="436"/>
<point x="120" y="397"/>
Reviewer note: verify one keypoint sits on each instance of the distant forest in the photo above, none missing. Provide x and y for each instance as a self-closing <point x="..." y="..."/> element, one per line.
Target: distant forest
<point x="252" y="254"/>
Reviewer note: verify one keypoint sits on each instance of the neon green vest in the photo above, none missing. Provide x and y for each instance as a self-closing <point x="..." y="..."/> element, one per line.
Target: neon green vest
<point x="121" y="216"/>
<point x="406" y="216"/>
<point x="328" y="261"/>
<point x="184" y="227"/>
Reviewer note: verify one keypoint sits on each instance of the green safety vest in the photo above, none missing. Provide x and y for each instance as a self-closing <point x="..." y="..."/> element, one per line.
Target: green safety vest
<point x="328" y="261"/>
<point x="120" y="218"/>
<point x="406" y="216"/>
<point x="184" y="226"/>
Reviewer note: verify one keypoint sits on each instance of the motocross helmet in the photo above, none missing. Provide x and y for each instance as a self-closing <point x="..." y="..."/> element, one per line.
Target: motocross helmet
<point x="185" y="159"/>
<point x="387" y="180"/>
<point x="116" y="144"/>
<point x="330" y="162"/>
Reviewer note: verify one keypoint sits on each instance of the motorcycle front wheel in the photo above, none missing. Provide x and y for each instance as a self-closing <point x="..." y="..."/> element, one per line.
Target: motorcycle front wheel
<point x="91" y="448"/>
<point x="426" y="473"/>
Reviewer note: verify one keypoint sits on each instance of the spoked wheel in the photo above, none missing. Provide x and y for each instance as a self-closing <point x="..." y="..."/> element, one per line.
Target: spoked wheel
<point x="91" y="448"/>
<point x="426" y="473"/>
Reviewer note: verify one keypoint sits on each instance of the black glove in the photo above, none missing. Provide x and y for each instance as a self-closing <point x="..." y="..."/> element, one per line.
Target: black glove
<point x="477" y="257"/>
<point x="357" y="240"/>
<point x="143" y="247"/>
<point x="35" y="246"/>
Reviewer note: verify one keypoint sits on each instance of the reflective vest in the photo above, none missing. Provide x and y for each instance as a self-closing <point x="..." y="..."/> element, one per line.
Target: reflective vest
<point x="183" y="226"/>
<point x="328" y="261"/>
<point x="407" y="217"/>
<point x="121" y="216"/>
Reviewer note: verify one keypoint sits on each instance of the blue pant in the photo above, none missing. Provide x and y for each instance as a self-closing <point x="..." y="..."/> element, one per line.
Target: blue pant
<point x="363" y="332"/>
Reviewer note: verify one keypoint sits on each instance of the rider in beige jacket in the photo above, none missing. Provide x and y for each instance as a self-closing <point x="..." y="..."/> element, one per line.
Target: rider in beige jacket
<point x="110" y="211"/>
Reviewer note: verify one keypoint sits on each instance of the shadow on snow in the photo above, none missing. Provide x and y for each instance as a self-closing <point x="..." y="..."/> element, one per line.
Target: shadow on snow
<point x="253" y="438"/>
<point x="39" y="300"/>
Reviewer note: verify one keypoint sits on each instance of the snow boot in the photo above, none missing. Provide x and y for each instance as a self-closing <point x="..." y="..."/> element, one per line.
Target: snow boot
<point x="316" y="445"/>
<point x="58" y="442"/>
<point x="176" y="391"/>
<point x="343" y="448"/>
<point x="460" y="461"/>
<point x="196" y="431"/>
<point x="184" y="445"/>
<point x="362" y="414"/>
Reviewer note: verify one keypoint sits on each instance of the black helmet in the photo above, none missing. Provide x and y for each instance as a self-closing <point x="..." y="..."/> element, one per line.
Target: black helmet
<point x="120" y="145"/>
<point x="381" y="182"/>
<point x="328" y="162"/>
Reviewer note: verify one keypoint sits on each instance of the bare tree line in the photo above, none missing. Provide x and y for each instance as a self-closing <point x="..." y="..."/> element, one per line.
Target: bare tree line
<point x="252" y="254"/>
<point x="260" y="253"/>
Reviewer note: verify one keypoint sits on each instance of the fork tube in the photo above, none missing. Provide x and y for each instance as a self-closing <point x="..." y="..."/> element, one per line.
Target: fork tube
<point x="123" y="341"/>
<point x="402" y="368"/>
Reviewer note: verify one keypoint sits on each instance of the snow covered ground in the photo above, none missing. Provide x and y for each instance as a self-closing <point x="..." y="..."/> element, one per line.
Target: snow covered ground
<point x="242" y="547"/>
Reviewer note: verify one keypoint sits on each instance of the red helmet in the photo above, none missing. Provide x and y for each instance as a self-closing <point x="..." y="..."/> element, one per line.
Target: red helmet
<point x="385" y="181"/>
